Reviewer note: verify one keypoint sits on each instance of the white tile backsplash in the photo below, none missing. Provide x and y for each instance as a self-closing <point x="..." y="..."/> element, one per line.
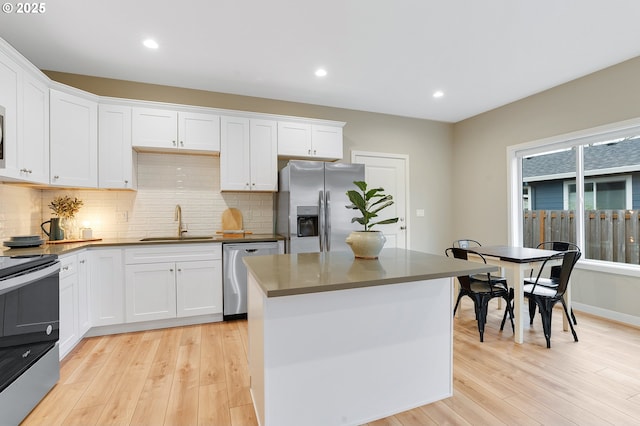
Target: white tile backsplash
<point x="164" y="180"/>
<point x="19" y="211"/>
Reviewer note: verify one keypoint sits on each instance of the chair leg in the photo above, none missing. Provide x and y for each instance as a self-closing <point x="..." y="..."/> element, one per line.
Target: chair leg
<point x="532" y="310"/>
<point x="508" y="309"/>
<point x="457" y="303"/>
<point x="573" y="317"/>
<point x="545" y="308"/>
<point x="566" y="312"/>
<point x="481" y="315"/>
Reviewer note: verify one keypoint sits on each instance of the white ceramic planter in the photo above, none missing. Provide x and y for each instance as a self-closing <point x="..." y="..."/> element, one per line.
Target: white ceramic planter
<point x="366" y="244"/>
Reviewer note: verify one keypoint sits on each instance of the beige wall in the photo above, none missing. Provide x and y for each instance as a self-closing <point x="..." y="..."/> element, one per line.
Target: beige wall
<point x="480" y="162"/>
<point x="428" y="143"/>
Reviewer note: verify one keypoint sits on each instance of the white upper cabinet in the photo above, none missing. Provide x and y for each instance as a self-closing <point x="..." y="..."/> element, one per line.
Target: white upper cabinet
<point x="311" y="141"/>
<point x="10" y="85"/>
<point x="25" y="143"/>
<point x="115" y="155"/>
<point x="73" y="140"/>
<point x="199" y="132"/>
<point x="169" y="130"/>
<point x="33" y="151"/>
<point x="248" y="154"/>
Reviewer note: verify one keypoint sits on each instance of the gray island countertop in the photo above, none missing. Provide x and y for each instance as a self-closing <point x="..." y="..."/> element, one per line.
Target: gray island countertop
<point x="291" y="274"/>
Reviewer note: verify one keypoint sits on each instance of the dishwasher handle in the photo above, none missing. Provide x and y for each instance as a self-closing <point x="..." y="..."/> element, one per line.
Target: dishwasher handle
<point x="250" y="250"/>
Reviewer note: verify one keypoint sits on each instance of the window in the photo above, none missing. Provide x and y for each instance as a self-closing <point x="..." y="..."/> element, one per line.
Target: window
<point x="582" y="188"/>
<point x="604" y="193"/>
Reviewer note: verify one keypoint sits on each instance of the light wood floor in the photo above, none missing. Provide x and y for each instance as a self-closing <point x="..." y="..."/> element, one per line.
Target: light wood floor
<point x="197" y="375"/>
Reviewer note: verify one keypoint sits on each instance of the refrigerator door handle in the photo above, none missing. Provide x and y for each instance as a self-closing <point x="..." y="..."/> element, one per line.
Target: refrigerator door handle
<point x="321" y="218"/>
<point x="328" y="219"/>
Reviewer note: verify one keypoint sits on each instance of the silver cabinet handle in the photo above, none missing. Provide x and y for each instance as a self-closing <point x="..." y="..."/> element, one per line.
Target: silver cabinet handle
<point x="181" y="143"/>
<point x="174" y="143"/>
<point x="56" y="177"/>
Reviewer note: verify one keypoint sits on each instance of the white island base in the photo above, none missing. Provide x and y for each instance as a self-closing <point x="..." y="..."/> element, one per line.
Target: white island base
<point x="346" y="357"/>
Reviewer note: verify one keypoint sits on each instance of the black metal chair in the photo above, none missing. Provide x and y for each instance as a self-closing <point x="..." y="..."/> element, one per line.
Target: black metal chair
<point x="554" y="274"/>
<point x="545" y="297"/>
<point x="481" y="291"/>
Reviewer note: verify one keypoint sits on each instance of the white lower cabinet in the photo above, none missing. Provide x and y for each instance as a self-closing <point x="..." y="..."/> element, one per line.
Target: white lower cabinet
<point x="69" y="304"/>
<point x="106" y="286"/>
<point x="150" y="292"/>
<point x="198" y="288"/>
<point x="171" y="281"/>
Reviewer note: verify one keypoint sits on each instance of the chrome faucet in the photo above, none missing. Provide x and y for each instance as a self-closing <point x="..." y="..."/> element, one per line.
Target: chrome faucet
<point x="178" y="218"/>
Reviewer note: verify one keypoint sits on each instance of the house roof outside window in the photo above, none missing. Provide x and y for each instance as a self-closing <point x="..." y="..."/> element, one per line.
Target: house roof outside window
<point x="620" y="156"/>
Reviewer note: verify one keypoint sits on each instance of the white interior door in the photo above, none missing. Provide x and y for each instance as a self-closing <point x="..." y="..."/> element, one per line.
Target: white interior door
<point x="389" y="171"/>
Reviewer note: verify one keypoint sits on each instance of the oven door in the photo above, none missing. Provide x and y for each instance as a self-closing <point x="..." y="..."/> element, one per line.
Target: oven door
<point x="30" y="309"/>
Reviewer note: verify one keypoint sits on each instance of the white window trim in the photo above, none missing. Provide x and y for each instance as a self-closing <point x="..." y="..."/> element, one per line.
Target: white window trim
<point x="574" y="139"/>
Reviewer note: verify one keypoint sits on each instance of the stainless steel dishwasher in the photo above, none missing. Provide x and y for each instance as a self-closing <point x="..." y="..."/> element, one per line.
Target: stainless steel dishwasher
<point x="235" y="274"/>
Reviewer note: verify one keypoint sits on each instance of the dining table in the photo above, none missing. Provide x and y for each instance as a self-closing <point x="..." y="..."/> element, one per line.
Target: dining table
<point x="516" y="262"/>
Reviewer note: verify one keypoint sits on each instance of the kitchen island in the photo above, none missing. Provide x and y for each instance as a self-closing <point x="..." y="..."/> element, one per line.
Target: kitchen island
<point x="335" y="340"/>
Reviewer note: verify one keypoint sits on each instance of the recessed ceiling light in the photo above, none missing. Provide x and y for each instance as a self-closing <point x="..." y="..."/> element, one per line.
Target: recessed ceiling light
<point x="320" y="72"/>
<point x="151" y="44"/>
<point x="438" y="94"/>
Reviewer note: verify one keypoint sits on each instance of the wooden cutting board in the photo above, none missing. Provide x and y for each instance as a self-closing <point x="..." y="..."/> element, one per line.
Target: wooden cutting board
<point x="232" y="220"/>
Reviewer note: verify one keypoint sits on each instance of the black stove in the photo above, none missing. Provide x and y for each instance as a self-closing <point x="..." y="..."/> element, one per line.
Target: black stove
<point x="29" y="330"/>
<point x="11" y="266"/>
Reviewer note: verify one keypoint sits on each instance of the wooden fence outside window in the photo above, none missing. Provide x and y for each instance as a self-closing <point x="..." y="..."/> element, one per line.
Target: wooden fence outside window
<point x="611" y="235"/>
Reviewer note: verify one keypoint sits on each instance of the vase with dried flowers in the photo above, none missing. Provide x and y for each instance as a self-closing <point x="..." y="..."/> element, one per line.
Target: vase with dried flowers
<point x="66" y="208"/>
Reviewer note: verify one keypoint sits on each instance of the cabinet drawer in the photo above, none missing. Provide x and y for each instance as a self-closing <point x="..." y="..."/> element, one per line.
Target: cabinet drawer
<point x="173" y="253"/>
<point x="68" y="266"/>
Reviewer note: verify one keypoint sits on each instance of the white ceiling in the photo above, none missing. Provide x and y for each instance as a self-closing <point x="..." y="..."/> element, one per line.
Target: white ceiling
<point x="385" y="56"/>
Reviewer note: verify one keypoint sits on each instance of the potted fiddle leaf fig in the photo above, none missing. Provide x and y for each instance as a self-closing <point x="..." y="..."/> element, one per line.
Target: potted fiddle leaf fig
<point x="367" y="244"/>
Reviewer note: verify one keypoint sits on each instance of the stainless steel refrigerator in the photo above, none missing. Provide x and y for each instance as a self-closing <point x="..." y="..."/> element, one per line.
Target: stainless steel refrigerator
<point x="311" y="205"/>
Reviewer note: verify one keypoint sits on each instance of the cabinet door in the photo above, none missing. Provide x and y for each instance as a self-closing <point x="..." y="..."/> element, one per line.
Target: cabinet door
<point x="73" y="140"/>
<point x="68" y="314"/>
<point x="264" y="155"/>
<point x="234" y="154"/>
<point x="294" y="139"/>
<point x="199" y="288"/>
<point x="69" y="335"/>
<point x="150" y="291"/>
<point x="115" y="155"/>
<point x="10" y="81"/>
<point x="154" y="128"/>
<point x="84" y="301"/>
<point x="199" y="132"/>
<point x="326" y="142"/>
<point x="33" y="156"/>
<point x="106" y="287"/>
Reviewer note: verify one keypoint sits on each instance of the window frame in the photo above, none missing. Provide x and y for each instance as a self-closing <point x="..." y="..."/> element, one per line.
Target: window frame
<point x="576" y="140"/>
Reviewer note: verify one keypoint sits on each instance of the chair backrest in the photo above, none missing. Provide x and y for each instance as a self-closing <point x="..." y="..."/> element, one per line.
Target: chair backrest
<point x="466" y="243"/>
<point x="465" y="280"/>
<point x="569" y="260"/>
<point x="558" y="246"/>
<point x="458" y="253"/>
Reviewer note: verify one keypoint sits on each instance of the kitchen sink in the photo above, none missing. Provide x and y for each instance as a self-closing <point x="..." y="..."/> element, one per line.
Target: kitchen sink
<point x="176" y="238"/>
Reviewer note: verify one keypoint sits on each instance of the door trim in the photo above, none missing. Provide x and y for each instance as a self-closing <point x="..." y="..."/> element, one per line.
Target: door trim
<point x="407" y="205"/>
